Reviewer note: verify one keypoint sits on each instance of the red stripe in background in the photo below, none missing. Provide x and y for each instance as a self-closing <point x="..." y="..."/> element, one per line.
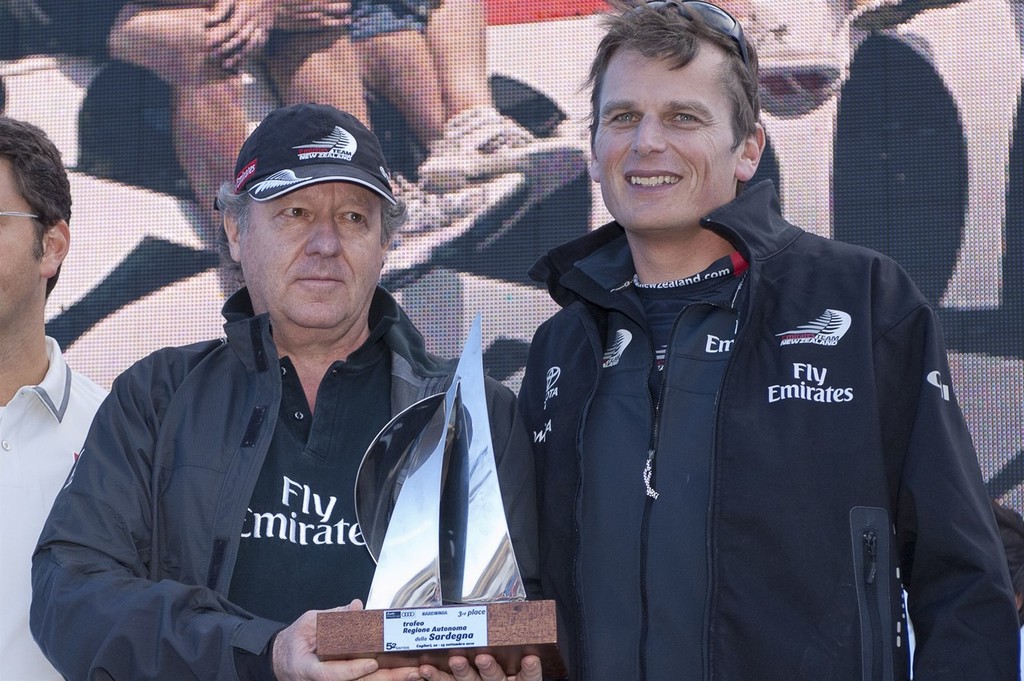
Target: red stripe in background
<point x="528" y="11"/>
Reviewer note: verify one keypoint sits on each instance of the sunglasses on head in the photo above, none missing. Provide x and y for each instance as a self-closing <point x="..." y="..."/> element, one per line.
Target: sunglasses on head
<point x="715" y="17"/>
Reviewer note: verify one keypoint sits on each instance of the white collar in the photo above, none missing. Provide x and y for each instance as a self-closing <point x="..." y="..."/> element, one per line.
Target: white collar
<point x="55" y="389"/>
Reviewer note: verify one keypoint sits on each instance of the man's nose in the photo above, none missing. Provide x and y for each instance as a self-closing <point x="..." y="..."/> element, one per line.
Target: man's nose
<point x="324" y="238"/>
<point x="648" y="136"/>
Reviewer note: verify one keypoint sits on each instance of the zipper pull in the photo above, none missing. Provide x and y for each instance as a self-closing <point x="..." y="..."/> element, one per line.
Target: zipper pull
<point x="870" y="555"/>
<point x="648" y="472"/>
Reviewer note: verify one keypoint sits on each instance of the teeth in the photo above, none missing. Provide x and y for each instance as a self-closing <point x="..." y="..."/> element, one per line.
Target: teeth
<point x="653" y="181"/>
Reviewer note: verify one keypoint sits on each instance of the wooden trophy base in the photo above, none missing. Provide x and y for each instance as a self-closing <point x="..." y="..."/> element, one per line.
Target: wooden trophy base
<point x="409" y="637"/>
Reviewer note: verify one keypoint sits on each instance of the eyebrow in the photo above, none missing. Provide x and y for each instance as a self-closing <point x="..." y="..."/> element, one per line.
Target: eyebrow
<point x="673" y="105"/>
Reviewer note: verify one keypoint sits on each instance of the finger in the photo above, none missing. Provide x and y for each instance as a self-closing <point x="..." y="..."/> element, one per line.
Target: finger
<point x="317" y="20"/>
<point x="222" y="37"/>
<point x="240" y="26"/>
<point x="337" y="8"/>
<point x="219" y="12"/>
<point x="530" y="669"/>
<point x="397" y="674"/>
<point x="260" y="35"/>
<point x="233" y="53"/>
<point x="489" y="668"/>
<point x="247" y="43"/>
<point x="302" y="22"/>
<point x="350" y="670"/>
<point x="305" y="15"/>
<point x="460" y="668"/>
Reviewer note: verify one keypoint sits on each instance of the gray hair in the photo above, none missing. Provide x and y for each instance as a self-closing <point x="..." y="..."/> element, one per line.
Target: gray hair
<point x="239" y="206"/>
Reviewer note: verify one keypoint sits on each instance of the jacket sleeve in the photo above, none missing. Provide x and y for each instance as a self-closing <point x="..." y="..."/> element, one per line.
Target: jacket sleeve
<point x="960" y="601"/>
<point x="96" y="612"/>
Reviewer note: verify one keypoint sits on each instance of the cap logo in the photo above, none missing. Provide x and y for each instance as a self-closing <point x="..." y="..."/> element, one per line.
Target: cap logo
<point x="339" y="144"/>
<point x="280" y="179"/>
<point x="304" y="144"/>
<point x="244" y="175"/>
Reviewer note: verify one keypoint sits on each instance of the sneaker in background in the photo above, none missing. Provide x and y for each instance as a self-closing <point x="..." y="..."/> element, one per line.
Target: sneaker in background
<point x="429" y="211"/>
<point x="435" y="219"/>
<point x="478" y="143"/>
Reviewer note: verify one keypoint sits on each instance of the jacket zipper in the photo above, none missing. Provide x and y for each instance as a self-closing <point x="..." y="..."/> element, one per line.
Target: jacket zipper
<point x="648" y="473"/>
<point x="645" y="528"/>
<point x="872" y="657"/>
<point x="652" y="495"/>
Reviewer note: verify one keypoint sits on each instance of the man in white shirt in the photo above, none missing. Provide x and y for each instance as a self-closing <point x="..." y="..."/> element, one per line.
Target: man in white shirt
<point x="45" y="408"/>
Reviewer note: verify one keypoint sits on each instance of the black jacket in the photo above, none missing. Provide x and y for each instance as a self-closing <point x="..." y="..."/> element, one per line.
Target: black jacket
<point x="134" y="563"/>
<point x="826" y="497"/>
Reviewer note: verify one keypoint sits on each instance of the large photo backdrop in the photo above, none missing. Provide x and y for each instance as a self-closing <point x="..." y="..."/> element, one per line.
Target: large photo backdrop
<point x="891" y="124"/>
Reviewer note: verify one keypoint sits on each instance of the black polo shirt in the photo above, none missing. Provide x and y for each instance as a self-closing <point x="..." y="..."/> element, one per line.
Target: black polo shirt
<point x="301" y="546"/>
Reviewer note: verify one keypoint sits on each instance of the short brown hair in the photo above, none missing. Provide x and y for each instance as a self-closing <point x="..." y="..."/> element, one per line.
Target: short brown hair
<point x="666" y="32"/>
<point x="40" y="177"/>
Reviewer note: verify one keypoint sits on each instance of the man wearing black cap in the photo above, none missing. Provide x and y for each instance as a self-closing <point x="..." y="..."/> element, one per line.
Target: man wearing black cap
<point x="212" y="504"/>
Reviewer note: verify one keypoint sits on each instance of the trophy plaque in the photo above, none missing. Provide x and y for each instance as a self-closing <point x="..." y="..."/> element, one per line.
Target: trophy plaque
<point x="430" y="510"/>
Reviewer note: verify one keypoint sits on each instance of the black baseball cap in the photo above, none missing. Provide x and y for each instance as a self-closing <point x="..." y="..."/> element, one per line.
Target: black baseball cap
<point x="303" y="144"/>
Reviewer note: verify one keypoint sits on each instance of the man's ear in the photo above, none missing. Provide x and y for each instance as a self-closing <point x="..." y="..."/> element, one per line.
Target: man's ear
<point x="56" y="241"/>
<point x="234" y="238"/>
<point x="750" y="155"/>
<point x="594" y="168"/>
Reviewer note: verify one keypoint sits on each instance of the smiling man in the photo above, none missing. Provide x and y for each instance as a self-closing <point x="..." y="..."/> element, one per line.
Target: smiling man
<point x="745" y="442"/>
<point x="211" y="514"/>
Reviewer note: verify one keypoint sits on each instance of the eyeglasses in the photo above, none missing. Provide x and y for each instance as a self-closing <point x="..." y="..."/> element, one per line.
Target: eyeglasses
<point x="18" y="214"/>
<point x="715" y="17"/>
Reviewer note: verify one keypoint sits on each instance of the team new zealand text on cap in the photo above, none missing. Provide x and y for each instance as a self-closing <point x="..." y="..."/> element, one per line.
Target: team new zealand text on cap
<point x="303" y="144"/>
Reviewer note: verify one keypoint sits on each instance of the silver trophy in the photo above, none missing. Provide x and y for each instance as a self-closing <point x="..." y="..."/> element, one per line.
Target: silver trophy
<point x="429" y="505"/>
<point x="430" y="510"/>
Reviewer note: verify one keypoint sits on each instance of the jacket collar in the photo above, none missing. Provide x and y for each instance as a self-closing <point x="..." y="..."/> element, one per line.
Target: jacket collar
<point x="249" y="334"/>
<point x="600" y="261"/>
<point x="753" y="223"/>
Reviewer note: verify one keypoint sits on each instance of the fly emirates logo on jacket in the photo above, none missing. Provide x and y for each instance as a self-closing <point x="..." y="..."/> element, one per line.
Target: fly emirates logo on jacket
<point x="810" y="382"/>
<point x="303" y="516"/>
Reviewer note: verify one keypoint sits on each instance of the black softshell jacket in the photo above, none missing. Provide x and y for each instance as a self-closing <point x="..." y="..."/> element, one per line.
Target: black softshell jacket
<point x="134" y="563"/>
<point x="830" y="490"/>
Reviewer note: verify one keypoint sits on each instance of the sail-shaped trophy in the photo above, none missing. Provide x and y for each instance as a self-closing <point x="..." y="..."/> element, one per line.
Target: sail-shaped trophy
<point x="430" y="510"/>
